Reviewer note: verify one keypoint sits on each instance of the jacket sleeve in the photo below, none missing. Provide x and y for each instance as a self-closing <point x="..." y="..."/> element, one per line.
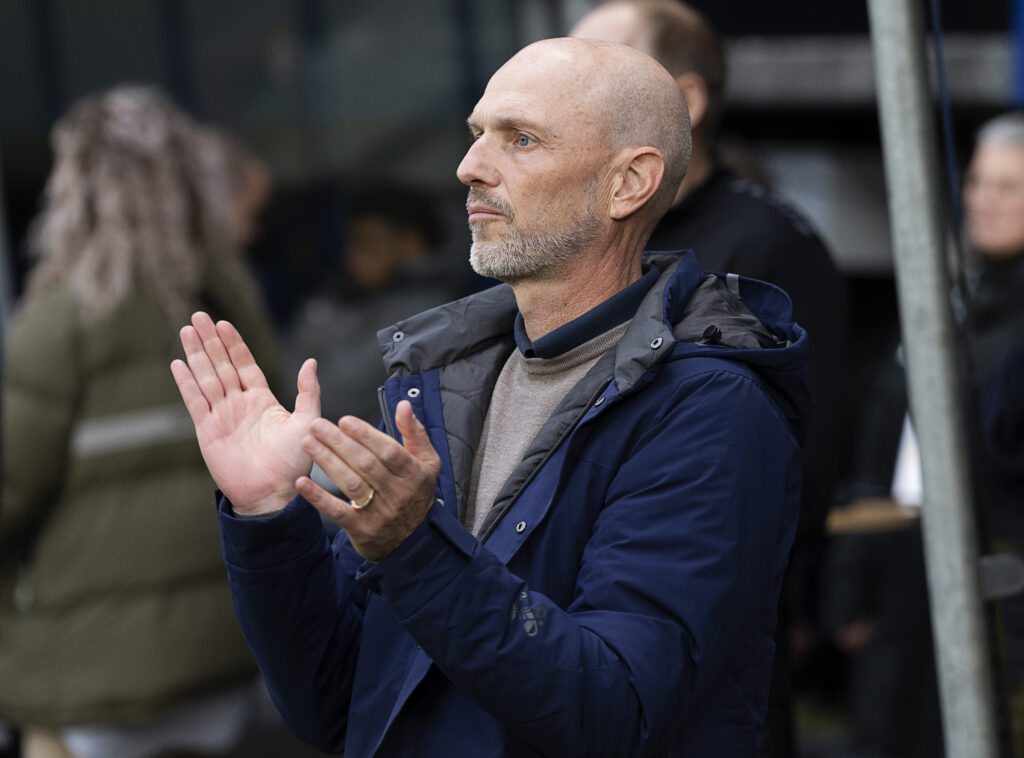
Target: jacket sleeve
<point x="680" y="565"/>
<point x="301" y="613"/>
<point x="40" y="390"/>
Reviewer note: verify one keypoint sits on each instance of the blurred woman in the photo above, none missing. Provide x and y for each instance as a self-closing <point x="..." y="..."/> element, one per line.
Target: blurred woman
<point x="116" y="630"/>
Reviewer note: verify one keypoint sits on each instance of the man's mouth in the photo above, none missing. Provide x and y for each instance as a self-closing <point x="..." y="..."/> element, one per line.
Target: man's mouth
<point x="480" y="212"/>
<point x="484" y="206"/>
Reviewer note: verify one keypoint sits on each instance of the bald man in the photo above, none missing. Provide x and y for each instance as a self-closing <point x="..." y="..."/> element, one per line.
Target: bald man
<point x="568" y="535"/>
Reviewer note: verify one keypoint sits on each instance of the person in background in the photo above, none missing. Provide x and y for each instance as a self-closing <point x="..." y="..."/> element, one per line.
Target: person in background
<point x="390" y="268"/>
<point x="876" y="605"/>
<point x="994" y="226"/>
<point x="734" y="225"/>
<point x="994" y="231"/>
<point x="117" y="636"/>
<point x="239" y="181"/>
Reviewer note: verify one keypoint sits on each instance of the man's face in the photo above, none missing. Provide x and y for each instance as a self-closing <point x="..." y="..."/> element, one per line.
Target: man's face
<point x="534" y="170"/>
<point x="994" y="200"/>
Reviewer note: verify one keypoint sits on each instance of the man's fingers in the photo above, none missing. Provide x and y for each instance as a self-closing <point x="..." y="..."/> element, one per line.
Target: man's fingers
<point x="215" y="348"/>
<point x="308" y="399"/>
<point x="342" y="459"/>
<point x="195" y="402"/>
<point x="249" y="374"/>
<point x="333" y="508"/>
<point x="414" y="435"/>
<point x="383" y="455"/>
<point x="200" y="365"/>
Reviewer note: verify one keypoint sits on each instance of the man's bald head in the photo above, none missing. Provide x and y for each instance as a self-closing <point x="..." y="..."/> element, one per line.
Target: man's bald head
<point x="624" y="95"/>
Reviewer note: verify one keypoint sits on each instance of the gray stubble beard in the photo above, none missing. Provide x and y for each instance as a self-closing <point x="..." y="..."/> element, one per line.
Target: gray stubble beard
<point x="515" y="256"/>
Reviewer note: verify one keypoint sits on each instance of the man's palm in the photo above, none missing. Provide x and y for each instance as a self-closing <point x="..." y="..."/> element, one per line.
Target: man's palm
<point x="251" y="444"/>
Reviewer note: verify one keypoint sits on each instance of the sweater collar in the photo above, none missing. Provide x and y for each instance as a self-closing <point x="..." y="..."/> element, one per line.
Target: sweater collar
<point x="617" y="309"/>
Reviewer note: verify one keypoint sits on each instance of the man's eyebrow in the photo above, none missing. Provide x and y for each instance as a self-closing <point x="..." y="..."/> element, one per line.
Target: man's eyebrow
<point x="506" y="123"/>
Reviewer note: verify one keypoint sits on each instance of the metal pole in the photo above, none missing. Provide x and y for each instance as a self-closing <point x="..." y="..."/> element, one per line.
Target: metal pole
<point x="922" y="278"/>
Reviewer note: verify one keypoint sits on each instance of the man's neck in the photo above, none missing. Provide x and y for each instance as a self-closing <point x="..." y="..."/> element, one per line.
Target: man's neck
<point x="562" y="296"/>
<point x="701" y="166"/>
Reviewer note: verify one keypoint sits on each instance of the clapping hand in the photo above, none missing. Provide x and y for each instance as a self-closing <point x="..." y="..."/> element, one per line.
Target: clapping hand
<point x="391" y="484"/>
<point x="260" y="455"/>
<point x="251" y="444"/>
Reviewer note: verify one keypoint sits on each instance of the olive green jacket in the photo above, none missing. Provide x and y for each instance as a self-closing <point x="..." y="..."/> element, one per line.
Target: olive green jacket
<point x="113" y="596"/>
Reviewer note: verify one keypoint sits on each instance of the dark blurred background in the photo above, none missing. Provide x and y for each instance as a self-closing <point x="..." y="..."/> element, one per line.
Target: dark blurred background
<point x="334" y="95"/>
<point x="339" y="96"/>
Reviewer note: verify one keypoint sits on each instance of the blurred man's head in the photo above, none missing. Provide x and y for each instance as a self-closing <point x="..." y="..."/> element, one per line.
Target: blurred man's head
<point x="675" y="35"/>
<point x="994" y="189"/>
<point x="576" y="144"/>
<point x="389" y="229"/>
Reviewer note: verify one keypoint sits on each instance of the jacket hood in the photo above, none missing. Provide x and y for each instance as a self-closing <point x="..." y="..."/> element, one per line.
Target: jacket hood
<point x="687" y="313"/>
<point x="722" y="316"/>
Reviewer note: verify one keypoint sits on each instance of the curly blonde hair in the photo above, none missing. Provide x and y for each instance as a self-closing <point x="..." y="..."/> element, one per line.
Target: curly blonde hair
<point x="139" y="199"/>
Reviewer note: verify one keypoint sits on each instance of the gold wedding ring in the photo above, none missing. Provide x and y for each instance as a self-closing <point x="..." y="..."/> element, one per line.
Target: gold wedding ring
<point x="369" y="499"/>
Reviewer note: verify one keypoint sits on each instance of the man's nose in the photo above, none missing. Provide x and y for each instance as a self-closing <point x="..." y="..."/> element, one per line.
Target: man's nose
<point x="476" y="166"/>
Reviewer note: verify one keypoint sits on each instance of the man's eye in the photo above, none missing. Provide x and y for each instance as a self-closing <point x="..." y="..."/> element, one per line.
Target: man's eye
<point x="523" y="140"/>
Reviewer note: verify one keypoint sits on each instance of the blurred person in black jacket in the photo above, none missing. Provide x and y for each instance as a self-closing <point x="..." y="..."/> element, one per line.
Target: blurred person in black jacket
<point x="994" y="230"/>
<point x="738" y="226"/>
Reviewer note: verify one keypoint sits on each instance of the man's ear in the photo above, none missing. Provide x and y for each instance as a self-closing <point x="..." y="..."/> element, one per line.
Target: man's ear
<point x="695" y="92"/>
<point x="642" y="170"/>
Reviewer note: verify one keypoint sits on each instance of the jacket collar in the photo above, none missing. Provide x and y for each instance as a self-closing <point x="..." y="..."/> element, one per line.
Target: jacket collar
<point x="442" y="335"/>
<point x="617" y="309"/>
<point x="449" y="332"/>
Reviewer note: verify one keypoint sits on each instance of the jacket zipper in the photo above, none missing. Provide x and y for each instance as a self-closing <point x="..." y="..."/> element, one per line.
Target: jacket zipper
<point x="389" y="424"/>
<point x="547" y="456"/>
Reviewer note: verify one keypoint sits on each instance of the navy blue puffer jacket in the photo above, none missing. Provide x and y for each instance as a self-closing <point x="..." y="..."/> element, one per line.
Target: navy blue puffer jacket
<point x="623" y="597"/>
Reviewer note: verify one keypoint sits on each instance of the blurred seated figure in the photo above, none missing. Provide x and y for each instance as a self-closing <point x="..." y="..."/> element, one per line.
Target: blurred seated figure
<point x="117" y="636"/>
<point x="390" y="269"/>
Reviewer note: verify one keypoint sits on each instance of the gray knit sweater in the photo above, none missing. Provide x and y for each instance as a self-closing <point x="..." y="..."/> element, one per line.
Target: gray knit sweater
<point x="527" y="391"/>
